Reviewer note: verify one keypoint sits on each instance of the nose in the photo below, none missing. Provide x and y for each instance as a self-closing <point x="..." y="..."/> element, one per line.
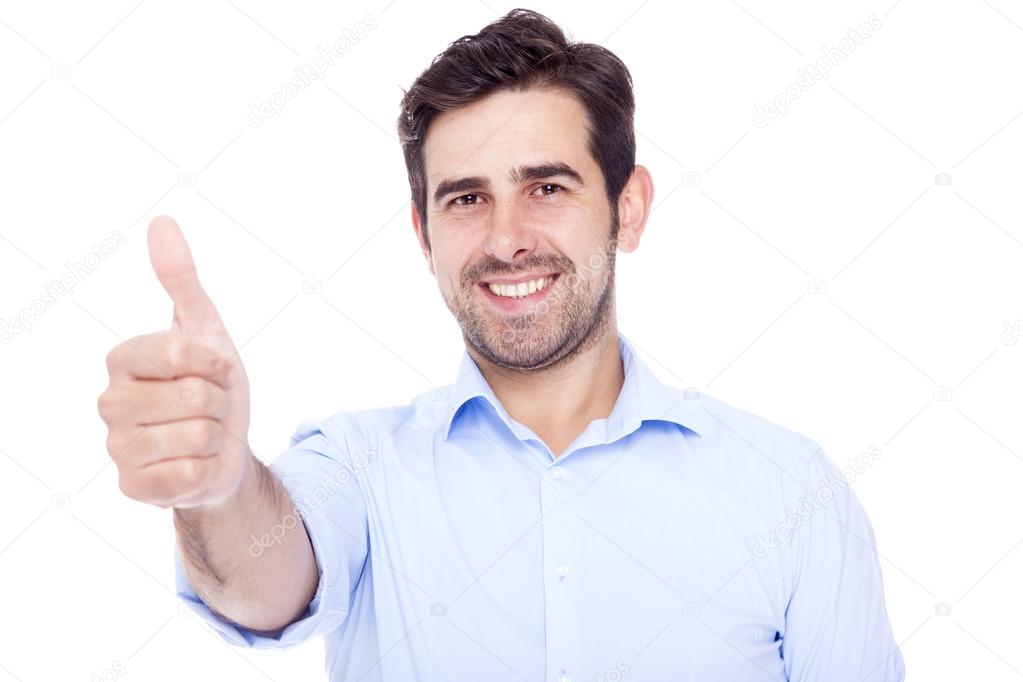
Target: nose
<point x="510" y="237"/>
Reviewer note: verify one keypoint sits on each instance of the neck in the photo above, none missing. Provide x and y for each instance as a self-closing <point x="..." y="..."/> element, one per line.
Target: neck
<point x="560" y="401"/>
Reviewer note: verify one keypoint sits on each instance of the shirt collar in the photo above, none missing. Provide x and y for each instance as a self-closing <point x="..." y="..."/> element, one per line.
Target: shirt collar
<point x="643" y="397"/>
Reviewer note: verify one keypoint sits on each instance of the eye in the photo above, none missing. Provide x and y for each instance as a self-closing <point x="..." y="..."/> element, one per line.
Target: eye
<point x="457" y="201"/>
<point x="555" y="187"/>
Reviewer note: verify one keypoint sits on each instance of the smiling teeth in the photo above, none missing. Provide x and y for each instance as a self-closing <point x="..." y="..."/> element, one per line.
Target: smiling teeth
<point x="522" y="289"/>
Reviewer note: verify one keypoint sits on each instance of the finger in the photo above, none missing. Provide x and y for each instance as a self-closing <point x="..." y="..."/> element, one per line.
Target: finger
<point x="145" y="402"/>
<point x="167" y="355"/>
<point x="194" y="312"/>
<point x="135" y="447"/>
<point x="168" y="482"/>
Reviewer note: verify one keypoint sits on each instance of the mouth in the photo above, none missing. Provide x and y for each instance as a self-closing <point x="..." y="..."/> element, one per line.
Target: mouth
<point x="518" y="296"/>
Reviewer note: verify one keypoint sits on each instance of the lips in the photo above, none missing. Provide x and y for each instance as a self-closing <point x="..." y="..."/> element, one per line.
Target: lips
<point x="518" y="304"/>
<point x="520" y="288"/>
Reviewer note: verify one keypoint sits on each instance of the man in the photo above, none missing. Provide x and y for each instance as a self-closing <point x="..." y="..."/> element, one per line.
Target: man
<point x="556" y="512"/>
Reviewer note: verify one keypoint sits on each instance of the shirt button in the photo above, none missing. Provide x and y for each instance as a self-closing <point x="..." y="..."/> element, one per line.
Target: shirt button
<point x="557" y="473"/>
<point x="561" y="570"/>
<point x="564" y="677"/>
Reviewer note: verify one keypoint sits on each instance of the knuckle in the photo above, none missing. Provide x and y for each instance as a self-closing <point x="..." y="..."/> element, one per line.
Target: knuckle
<point x="113" y="358"/>
<point x="185" y="391"/>
<point x="220" y="368"/>
<point x="128" y="486"/>
<point x="104" y="403"/>
<point x="202" y="400"/>
<point x="174" y="351"/>
<point x="111" y="403"/>
<point x="115" y="443"/>
<point x="199" y="435"/>
<point x="133" y="488"/>
<point x="190" y="474"/>
<point x="211" y="398"/>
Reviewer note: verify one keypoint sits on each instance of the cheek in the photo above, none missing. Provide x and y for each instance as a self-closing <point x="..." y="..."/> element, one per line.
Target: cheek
<point x="449" y="274"/>
<point x="582" y="222"/>
<point x="453" y="252"/>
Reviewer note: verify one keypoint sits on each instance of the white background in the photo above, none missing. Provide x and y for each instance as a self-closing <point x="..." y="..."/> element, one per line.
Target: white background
<point x="113" y="113"/>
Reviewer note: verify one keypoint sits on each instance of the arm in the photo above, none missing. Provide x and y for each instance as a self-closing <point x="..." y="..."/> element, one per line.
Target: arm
<point x="316" y="472"/>
<point x="836" y="623"/>
<point x="250" y="558"/>
<point x="177" y="411"/>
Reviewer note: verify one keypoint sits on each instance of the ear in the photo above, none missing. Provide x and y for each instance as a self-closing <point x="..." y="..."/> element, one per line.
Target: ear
<point x="634" y="206"/>
<point x="424" y="246"/>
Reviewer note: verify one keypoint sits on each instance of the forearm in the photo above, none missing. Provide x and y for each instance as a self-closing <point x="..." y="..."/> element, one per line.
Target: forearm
<point x="249" y="559"/>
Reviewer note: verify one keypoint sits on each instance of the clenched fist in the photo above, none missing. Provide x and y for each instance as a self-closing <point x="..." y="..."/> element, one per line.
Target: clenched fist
<point x="177" y="406"/>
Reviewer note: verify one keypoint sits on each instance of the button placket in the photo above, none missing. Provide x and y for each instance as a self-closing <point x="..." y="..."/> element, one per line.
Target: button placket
<point x="560" y="566"/>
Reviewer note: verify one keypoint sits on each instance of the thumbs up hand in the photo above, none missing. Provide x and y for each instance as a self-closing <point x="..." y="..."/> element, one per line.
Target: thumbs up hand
<point x="177" y="405"/>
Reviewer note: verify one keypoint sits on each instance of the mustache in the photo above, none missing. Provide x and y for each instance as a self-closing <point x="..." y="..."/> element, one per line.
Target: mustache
<point x="485" y="272"/>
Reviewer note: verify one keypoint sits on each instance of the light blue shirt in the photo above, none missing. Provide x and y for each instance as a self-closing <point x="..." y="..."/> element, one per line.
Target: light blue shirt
<point x="680" y="538"/>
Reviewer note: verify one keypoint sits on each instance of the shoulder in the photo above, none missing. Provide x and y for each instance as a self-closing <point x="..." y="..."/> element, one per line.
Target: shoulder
<point x="744" y="437"/>
<point x="369" y="431"/>
<point x="353" y="430"/>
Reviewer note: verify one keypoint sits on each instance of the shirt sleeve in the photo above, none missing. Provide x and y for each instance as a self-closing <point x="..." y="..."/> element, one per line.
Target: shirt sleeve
<point x="836" y="623"/>
<point x="326" y="494"/>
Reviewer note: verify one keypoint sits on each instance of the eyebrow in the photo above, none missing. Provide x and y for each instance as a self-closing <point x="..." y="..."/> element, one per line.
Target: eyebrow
<point x="520" y="174"/>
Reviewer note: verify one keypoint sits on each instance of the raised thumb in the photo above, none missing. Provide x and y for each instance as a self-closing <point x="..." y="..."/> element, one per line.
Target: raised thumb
<point x="194" y="312"/>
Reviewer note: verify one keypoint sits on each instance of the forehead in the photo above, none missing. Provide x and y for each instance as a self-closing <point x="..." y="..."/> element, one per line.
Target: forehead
<point x="506" y="130"/>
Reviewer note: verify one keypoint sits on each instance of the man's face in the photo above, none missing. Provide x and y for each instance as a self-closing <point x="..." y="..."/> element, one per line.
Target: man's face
<point x="513" y="197"/>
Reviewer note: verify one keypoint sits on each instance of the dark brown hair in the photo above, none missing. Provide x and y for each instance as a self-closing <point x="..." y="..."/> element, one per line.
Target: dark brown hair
<point x="522" y="50"/>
